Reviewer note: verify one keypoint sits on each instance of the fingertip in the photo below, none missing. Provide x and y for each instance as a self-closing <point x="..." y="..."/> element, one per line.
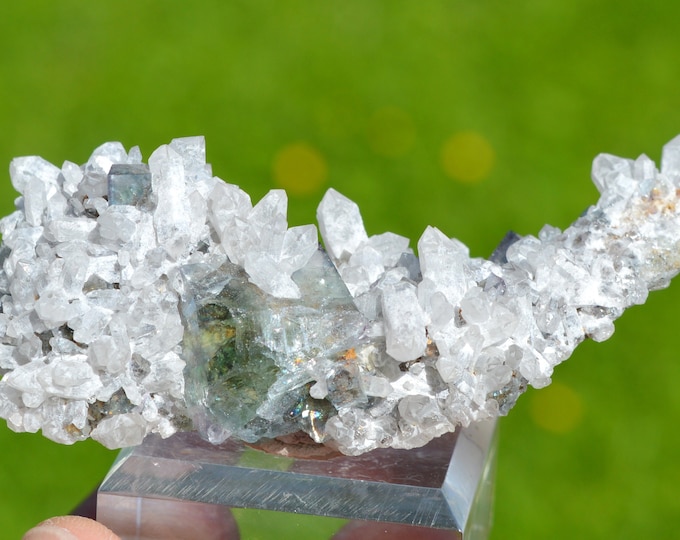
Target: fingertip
<point x="70" y="528"/>
<point x="48" y="532"/>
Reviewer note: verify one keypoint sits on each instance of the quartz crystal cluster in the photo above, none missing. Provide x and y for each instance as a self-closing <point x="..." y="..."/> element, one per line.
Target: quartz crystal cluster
<point x="140" y="299"/>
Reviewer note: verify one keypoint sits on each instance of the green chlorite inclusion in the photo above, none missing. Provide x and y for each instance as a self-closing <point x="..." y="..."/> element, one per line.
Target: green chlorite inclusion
<point x="253" y="358"/>
<point x="240" y="371"/>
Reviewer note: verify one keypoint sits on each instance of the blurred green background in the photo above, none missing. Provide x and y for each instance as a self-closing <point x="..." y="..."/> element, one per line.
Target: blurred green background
<point x="476" y="117"/>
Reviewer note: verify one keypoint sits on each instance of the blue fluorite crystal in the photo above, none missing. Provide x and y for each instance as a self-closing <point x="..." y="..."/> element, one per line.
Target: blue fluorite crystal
<point x="129" y="184"/>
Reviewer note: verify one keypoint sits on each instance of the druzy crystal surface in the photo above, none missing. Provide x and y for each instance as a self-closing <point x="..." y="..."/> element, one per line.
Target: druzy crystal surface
<point x="150" y="298"/>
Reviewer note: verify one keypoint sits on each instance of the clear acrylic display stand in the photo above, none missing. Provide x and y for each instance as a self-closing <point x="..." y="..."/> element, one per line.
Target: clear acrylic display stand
<point x="184" y="487"/>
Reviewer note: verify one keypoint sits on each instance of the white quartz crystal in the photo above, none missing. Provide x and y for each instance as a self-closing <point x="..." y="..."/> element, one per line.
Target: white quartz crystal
<point x="404" y="320"/>
<point x="341" y="225"/>
<point x="107" y="290"/>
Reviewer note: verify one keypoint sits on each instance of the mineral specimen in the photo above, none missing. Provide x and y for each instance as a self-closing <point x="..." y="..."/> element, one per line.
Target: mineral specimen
<point x="155" y="298"/>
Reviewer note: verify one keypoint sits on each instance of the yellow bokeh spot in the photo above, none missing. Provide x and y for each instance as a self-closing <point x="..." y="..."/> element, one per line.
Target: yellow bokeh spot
<point x="557" y="408"/>
<point x="468" y="157"/>
<point x="300" y="169"/>
<point x="390" y="132"/>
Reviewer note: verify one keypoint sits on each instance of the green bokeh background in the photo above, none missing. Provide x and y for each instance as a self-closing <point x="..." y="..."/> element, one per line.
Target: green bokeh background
<point x="548" y="84"/>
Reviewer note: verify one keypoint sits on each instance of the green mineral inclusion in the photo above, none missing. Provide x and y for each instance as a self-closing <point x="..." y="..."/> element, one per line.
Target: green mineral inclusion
<point x="240" y="371"/>
<point x="230" y="372"/>
<point x="250" y="356"/>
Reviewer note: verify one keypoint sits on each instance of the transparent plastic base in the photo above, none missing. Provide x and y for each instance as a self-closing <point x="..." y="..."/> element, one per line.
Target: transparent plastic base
<point x="184" y="487"/>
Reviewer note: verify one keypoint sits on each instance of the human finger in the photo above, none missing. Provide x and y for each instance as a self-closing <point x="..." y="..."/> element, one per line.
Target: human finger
<point x="70" y="528"/>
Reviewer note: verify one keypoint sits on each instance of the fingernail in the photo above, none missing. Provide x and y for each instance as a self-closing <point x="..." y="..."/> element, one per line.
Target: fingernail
<point x="49" y="532"/>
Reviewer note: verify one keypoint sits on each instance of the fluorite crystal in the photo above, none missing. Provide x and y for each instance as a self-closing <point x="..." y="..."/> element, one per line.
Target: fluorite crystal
<point x="155" y="298"/>
<point x="252" y="357"/>
<point x="129" y="184"/>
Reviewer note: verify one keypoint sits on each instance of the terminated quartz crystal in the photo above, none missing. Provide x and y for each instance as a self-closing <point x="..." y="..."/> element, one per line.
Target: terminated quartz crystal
<point x="140" y="299"/>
